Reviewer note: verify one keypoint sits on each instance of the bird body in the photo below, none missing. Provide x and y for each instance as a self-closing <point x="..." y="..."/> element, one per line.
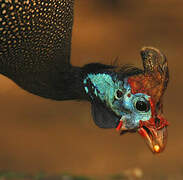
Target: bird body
<point x="35" y="45"/>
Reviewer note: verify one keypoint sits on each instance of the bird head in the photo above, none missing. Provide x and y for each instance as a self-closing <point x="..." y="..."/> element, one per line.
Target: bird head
<point x="132" y="102"/>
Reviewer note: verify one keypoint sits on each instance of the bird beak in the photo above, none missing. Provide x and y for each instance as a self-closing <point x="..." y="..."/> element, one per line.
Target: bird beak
<point x="152" y="82"/>
<point x="155" y="137"/>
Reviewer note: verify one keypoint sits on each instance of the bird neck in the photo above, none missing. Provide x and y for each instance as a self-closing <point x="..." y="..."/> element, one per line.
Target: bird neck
<point x="99" y="85"/>
<point x="97" y="81"/>
<point x="62" y="84"/>
<point x="71" y="83"/>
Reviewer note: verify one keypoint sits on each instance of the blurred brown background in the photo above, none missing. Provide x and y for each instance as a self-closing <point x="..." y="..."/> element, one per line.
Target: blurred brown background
<point x="37" y="134"/>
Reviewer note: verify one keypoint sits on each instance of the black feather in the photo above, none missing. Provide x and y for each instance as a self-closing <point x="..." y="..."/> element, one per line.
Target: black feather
<point x="35" y="44"/>
<point x="103" y="117"/>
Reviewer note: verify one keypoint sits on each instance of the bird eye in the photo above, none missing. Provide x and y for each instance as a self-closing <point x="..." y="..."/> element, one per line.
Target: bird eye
<point x="119" y="94"/>
<point x="142" y="106"/>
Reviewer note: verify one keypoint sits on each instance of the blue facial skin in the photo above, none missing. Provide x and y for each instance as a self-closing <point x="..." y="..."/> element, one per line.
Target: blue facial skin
<point x="117" y="96"/>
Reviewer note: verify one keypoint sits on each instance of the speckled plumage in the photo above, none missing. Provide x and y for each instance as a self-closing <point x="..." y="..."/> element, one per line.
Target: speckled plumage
<point x="35" y="44"/>
<point x="35" y="34"/>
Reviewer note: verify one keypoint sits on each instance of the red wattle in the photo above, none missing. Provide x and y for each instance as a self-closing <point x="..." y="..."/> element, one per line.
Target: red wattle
<point x="119" y="126"/>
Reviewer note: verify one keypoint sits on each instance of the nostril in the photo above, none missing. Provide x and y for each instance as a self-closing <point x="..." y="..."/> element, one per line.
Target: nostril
<point x="147" y="130"/>
<point x="157" y="122"/>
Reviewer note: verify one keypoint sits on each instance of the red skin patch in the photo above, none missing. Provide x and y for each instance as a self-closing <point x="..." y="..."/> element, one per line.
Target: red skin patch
<point x="119" y="126"/>
<point x="143" y="132"/>
<point x="150" y="86"/>
<point x="152" y="107"/>
<point x="129" y="95"/>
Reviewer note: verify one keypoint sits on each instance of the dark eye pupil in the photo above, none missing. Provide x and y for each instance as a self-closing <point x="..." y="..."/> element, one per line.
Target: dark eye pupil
<point x="142" y="106"/>
<point x="119" y="94"/>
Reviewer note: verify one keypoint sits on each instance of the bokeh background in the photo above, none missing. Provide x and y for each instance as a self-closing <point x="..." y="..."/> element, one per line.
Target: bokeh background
<point x="38" y="134"/>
